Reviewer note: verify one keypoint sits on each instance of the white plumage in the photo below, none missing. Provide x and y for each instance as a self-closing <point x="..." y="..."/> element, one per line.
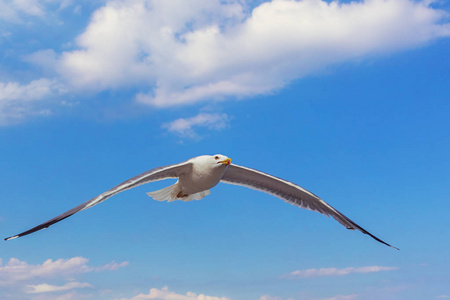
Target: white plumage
<point x="198" y="175"/>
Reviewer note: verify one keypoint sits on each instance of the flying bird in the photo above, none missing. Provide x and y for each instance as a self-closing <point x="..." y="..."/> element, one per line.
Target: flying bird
<point x="199" y="174"/>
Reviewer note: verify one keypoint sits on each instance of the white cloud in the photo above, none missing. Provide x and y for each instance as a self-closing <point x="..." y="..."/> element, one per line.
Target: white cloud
<point x="29" y="7"/>
<point x="267" y="297"/>
<point x="342" y="297"/>
<point x="47" y="59"/>
<point x="18" y="101"/>
<point x="184" y="127"/>
<point x="16" y="271"/>
<point x="112" y="266"/>
<point x="11" y="10"/>
<point x="7" y="13"/>
<point x="309" y="273"/>
<point x="48" y="288"/>
<point x="20" y="10"/>
<point x="35" y="90"/>
<point x="165" y="294"/>
<point x="184" y="52"/>
<point x="180" y="52"/>
<point x="51" y="280"/>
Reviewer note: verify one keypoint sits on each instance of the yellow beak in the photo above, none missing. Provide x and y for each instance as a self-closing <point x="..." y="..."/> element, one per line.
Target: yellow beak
<point x="226" y="161"/>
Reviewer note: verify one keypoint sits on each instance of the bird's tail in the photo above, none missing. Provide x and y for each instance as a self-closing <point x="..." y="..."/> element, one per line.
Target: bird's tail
<point x="172" y="193"/>
<point x="168" y="193"/>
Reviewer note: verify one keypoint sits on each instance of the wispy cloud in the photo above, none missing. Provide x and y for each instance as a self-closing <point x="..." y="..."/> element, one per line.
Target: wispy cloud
<point x="165" y="294"/>
<point x="52" y="276"/>
<point x="48" y="288"/>
<point x="35" y="90"/>
<point x="186" y="127"/>
<point x="310" y="273"/>
<point x="112" y="266"/>
<point x="18" y="271"/>
<point x="268" y="297"/>
<point x="18" y="11"/>
<point x="12" y="10"/>
<point x="29" y="7"/>
<point x="342" y="297"/>
<point x="18" y="101"/>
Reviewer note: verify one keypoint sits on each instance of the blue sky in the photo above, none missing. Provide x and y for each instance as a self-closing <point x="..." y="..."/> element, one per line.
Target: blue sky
<point x="348" y="99"/>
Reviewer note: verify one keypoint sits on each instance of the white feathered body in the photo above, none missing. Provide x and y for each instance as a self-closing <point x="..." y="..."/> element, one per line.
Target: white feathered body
<point x="205" y="174"/>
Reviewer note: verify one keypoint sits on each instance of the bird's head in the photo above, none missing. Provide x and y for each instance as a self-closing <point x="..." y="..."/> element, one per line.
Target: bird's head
<point x="220" y="160"/>
<point x="212" y="162"/>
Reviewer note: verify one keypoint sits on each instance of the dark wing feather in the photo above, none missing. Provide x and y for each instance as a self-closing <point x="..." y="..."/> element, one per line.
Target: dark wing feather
<point x="171" y="171"/>
<point x="289" y="192"/>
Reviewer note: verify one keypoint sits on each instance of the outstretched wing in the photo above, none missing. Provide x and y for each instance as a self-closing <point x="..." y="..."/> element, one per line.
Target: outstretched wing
<point x="289" y="192"/>
<point x="171" y="171"/>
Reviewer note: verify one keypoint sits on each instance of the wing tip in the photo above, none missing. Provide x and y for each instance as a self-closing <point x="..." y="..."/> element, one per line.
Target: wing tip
<point x="383" y="242"/>
<point x="12" y="237"/>
<point x="394" y="247"/>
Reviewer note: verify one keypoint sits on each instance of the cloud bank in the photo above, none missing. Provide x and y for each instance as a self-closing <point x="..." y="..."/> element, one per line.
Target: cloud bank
<point x="184" y="52"/>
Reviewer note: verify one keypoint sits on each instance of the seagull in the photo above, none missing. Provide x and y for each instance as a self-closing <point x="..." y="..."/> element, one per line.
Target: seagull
<point x="198" y="175"/>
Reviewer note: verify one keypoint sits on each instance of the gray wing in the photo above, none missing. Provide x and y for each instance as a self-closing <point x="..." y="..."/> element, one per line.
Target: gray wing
<point x="171" y="171"/>
<point x="289" y="192"/>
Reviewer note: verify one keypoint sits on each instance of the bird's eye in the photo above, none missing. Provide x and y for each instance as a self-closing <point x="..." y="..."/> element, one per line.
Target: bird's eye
<point x="216" y="158"/>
